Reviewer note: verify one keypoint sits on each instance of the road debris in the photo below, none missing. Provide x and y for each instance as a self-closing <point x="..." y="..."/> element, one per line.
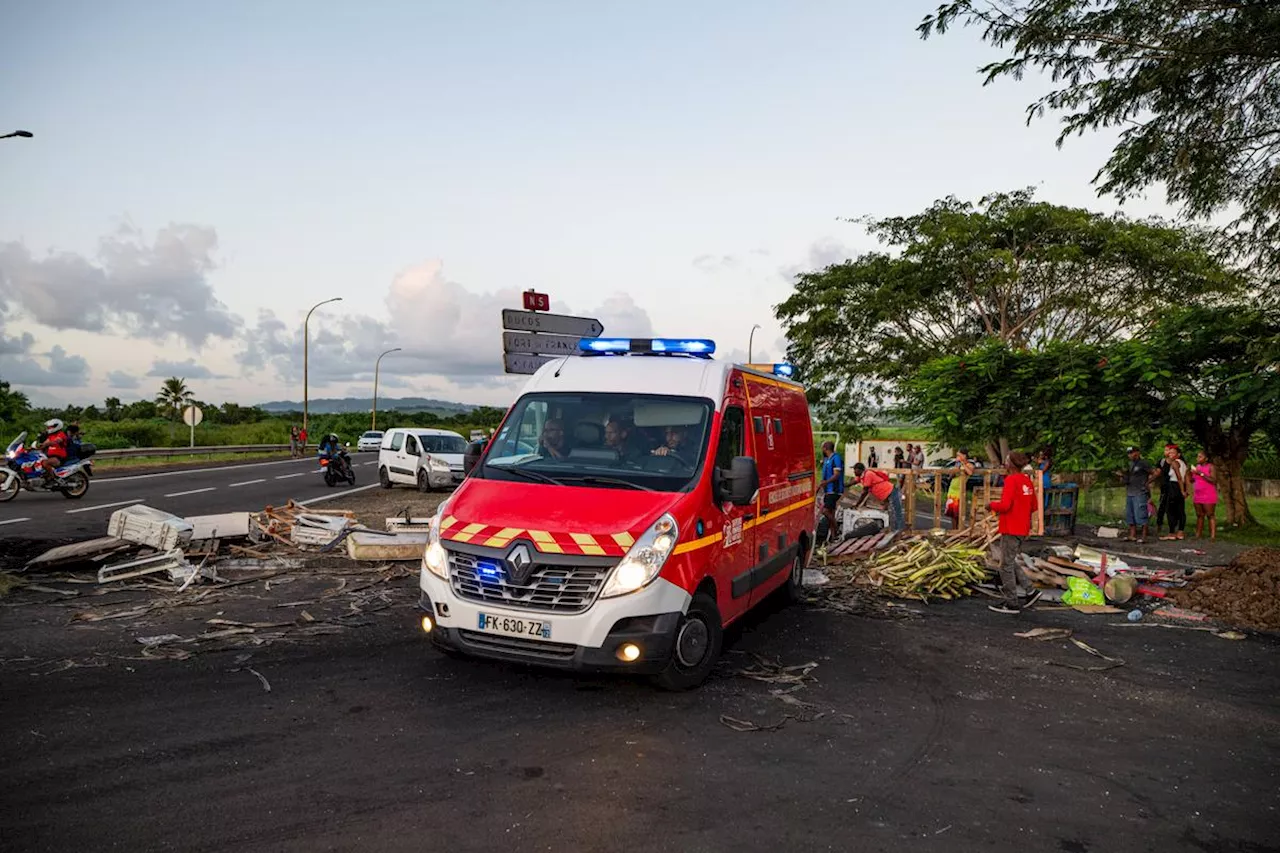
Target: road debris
<point x="1112" y="663"/>
<point x="1245" y="593"/>
<point x="1042" y="634"/>
<point x="266" y="685"/>
<point x="747" y="726"/>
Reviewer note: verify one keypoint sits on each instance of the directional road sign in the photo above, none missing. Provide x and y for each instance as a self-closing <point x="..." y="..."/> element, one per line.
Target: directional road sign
<point x="552" y="324"/>
<point x="535" y="301"/>
<point x="548" y="344"/>
<point x="516" y="363"/>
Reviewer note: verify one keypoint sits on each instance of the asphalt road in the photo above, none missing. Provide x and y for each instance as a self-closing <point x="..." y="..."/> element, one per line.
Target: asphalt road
<point x="200" y="491"/>
<point x="943" y="733"/>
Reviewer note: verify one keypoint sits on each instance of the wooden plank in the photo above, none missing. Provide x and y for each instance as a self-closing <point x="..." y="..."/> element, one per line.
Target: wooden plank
<point x="81" y="551"/>
<point x="911" y="504"/>
<point x="937" y="500"/>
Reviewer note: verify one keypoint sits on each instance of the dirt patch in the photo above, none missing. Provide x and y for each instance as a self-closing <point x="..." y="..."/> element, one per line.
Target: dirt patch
<point x="1245" y="593"/>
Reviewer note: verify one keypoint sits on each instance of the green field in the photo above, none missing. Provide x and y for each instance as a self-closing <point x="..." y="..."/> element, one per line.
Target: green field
<point x="1105" y="505"/>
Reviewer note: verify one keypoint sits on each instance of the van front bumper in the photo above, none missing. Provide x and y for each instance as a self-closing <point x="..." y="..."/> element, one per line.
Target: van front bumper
<point x="588" y="641"/>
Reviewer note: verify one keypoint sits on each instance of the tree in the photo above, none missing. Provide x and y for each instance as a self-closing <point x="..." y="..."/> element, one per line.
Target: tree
<point x="1212" y="372"/>
<point x="14" y="405"/>
<point x="140" y="410"/>
<point x="1026" y="275"/>
<point x="113" y="408"/>
<point x="174" y="395"/>
<point x="91" y="413"/>
<point x="1191" y="84"/>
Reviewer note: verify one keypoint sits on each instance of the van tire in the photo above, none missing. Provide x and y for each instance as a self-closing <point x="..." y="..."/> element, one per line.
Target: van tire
<point x="424" y="482"/>
<point x="384" y="479"/>
<point x="793" y="589"/>
<point x="701" y="632"/>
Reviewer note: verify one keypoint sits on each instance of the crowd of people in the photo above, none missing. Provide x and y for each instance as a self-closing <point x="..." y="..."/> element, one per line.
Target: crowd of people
<point x="1174" y="480"/>
<point x="297" y="441"/>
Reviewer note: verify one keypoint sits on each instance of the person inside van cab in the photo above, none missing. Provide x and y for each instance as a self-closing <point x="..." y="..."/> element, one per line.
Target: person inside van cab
<point x="617" y="437"/>
<point x="675" y="444"/>
<point x="552" y="443"/>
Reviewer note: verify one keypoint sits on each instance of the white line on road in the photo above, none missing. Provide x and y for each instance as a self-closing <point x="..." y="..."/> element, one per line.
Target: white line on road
<point x="105" y="506"/>
<point x="287" y="476"/>
<point x="375" y="462"/>
<point x="337" y="495"/>
<point x="101" y="480"/>
<point x="246" y="483"/>
<point x="12" y="521"/>
<point x="192" y="492"/>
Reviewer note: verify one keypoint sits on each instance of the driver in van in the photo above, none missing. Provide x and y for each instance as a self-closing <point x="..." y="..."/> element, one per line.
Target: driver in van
<point x="552" y="442"/>
<point x="675" y="444"/>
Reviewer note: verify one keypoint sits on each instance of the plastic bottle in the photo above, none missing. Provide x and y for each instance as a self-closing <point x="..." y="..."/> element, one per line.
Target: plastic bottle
<point x="1135" y="615"/>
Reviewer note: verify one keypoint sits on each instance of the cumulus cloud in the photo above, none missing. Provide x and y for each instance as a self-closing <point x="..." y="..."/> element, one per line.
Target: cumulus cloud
<point x="188" y="369"/>
<point x="122" y="381"/>
<point x="822" y="254"/>
<point x="442" y="328"/>
<point x="20" y="366"/>
<point x="153" y="290"/>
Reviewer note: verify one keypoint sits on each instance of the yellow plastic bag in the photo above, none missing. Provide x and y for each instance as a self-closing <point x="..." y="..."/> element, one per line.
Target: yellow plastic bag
<point x="1082" y="591"/>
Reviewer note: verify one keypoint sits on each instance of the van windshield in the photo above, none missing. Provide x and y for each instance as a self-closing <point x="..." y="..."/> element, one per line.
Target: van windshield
<point x="443" y="443"/>
<point x="602" y="440"/>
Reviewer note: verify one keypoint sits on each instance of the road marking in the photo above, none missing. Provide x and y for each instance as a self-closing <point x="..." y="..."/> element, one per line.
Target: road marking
<point x="337" y="495"/>
<point x="13" y="521"/>
<point x="374" y="462"/>
<point x="105" y="506"/>
<point x="299" y="474"/>
<point x="246" y="483"/>
<point x="192" y="492"/>
<point x="101" y="480"/>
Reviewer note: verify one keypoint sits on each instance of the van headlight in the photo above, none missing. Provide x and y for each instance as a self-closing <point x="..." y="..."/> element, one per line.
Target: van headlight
<point x="645" y="559"/>
<point x="437" y="464"/>
<point x="435" y="559"/>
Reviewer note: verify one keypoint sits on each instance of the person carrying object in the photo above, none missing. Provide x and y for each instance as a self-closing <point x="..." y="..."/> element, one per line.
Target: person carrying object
<point x="1014" y="509"/>
<point x="878" y="485"/>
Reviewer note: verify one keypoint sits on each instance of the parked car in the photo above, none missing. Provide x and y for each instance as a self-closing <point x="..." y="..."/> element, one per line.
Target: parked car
<point x="426" y="458"/>
<point x="370" y="441"/>
<point x="975" y="479"/>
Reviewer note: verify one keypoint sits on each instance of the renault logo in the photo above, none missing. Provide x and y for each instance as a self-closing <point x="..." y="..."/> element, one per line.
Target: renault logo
<point x="519" y="564"/>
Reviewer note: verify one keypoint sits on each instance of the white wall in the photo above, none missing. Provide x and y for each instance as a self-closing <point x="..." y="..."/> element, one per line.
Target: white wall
<point x="860" y="451"/>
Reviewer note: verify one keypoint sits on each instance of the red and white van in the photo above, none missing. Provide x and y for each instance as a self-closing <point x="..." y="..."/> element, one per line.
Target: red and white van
<point x="634" y="502"/>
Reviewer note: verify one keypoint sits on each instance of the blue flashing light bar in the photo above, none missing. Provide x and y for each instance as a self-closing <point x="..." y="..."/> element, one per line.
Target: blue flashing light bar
<point x="648" y="346"/>
<point x="784" y="369"/>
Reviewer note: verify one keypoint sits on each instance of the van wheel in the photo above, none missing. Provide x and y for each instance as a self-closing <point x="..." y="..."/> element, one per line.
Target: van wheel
<point x="793" y="589"/>
<point x="384" y="479"/>
<point x="424" y="482"/>
<point x="697" y="646"/>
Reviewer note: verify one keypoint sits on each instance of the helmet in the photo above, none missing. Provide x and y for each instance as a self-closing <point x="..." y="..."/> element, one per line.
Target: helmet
<point x="53" y="425"/>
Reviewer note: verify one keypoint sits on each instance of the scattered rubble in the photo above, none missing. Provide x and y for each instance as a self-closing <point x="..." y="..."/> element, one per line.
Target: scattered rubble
<point x="1245" y="593"/>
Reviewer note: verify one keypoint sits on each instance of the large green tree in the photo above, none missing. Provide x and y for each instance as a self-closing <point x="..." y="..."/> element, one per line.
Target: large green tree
<point x="174" y="396"/>
<point x="1192" y="86"/>
<point x="1009" y="270"/>
<point x="1209" y="372"/>
<point x="14" y="405"/>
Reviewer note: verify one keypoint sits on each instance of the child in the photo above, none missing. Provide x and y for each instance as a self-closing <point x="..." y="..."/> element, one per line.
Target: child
<point x="1205" y="496"/>
<point x="1016" y="506"/>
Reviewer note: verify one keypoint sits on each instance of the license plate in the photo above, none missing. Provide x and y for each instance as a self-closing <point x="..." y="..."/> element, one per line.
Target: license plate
<point x="512" y="626"/>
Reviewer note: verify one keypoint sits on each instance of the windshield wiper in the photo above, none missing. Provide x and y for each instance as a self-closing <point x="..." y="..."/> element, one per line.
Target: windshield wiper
<point x="536" y="476"/>
<point x="610" y="481"/>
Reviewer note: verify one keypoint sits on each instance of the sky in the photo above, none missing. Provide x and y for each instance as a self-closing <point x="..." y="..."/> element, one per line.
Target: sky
<point x="202" y="174"/>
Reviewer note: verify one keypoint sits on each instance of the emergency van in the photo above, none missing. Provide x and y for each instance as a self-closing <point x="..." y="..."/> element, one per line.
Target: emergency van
<point x="635" y="501"/>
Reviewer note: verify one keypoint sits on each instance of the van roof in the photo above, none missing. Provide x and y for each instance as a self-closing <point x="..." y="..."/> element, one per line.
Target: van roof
<point x="641" y="374"/>
<point x="425" y="431"/>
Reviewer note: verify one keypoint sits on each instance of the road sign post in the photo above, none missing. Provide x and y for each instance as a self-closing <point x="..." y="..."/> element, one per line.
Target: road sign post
<point x="533" y="337"/>
<point x="192" y="416"/>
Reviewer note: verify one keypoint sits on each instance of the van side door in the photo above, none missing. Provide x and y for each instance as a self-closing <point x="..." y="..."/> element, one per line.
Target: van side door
<point x="408" y="460"/>
<point x="731" y="559"/>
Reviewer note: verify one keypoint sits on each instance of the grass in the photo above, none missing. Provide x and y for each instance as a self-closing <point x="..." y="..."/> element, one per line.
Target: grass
<point x="1105" y="505"/>
<point x="124" y="464"/>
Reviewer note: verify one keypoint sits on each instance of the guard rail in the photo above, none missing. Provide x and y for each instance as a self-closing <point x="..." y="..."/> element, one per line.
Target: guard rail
<point x="166" y="452"/>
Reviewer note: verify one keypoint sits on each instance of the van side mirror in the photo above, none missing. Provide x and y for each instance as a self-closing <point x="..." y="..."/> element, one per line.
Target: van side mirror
<point x="471" y="457"/>
<point x="739" y="484"/>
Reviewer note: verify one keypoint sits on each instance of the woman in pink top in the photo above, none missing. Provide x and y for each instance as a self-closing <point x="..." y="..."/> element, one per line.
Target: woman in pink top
<point x="1205" y="496"/>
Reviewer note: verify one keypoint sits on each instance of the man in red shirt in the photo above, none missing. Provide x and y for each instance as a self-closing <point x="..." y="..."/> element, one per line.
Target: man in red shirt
<point x="54" y="446"/>
<point x="1016" y="506"/>
<point x="878" y="485"/>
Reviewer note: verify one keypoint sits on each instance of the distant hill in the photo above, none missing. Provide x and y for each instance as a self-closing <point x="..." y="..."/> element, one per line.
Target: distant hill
<point x="337" y="406"/>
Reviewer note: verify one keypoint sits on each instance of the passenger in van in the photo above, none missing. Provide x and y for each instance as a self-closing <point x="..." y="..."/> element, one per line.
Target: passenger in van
<point x="675" y="445"/>
<point x="617" y="435"/>
<point x="552" y="443"/>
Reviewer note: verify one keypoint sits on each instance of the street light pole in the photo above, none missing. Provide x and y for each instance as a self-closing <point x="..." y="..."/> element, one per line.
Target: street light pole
<point x="25" y="134"/>
<point x="751" y="339"/>
<point x="306" y="397"/>
<point x="376" y="365"/>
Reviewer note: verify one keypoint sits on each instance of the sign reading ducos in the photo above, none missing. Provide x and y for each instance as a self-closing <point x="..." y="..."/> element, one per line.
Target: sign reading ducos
<point x="532" y="338"/>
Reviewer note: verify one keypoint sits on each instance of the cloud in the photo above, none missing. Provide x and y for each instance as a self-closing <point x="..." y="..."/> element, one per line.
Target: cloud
<point x="715" y="263"/>
<point x="122" y="381"/>
<point x="20" y="366"/>
<point x="188" y="369"/>
<point x="442" y="328"/>
<point x="155" y="291"/>
<point x="822" y="253"/>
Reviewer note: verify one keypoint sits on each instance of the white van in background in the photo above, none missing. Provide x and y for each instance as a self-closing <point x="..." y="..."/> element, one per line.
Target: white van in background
<point x="426" y="458"/>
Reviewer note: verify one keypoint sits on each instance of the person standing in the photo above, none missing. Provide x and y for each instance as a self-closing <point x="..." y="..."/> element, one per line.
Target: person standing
<point x="302" y="441"/>
<point x="959" y="482"/>
<point x="832" y="487"/>
<point x="1044" y="464"/>
<point x="293" y="441"/>
<point x="1174" y="494"/>
<point x="873" y="459"/>
<point x="1137" y="495"/>
<point x="878" y="485"/>
<point x="1016" y="506"/>
<point x="1205" y="496"/>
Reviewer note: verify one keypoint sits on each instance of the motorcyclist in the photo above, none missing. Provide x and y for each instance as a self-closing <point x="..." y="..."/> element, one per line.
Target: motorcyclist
<point x="329" y="446"/>
<point x="54" y="447"/>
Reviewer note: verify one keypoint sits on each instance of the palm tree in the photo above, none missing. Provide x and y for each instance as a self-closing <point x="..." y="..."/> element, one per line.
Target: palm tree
<point x="174" y="395"/>
<point x="114" y="407"/>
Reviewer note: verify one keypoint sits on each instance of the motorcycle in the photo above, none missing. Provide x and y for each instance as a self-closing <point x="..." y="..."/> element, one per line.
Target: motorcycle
<point x="336" y="467"/>
<point x="21" y="472"/>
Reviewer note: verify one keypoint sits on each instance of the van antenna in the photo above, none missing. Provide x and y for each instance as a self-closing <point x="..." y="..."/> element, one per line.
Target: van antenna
<point x="556" y="375"/>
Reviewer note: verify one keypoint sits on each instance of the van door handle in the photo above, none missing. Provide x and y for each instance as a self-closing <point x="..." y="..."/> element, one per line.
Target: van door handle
<point x="748" y="516"/>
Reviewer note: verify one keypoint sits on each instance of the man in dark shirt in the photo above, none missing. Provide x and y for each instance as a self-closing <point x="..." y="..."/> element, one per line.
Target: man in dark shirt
<point x="1137" y="495"/>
